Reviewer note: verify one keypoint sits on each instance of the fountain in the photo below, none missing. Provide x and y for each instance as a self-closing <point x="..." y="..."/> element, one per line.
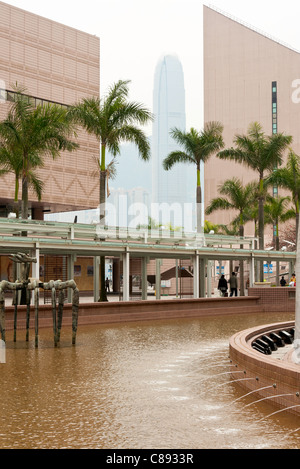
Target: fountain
<point x="250" y="393"/>
<point x="25" y="286"/>
<point x="272" y="352"/>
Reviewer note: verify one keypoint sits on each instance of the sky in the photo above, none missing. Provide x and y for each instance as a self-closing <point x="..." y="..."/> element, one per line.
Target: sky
<point x="134" y="34"/>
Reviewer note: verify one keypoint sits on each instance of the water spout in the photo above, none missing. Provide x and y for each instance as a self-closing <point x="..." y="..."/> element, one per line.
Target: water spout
<point x="249" y="394"/>
<point x="268" y="398"/>
<point x="279" y="411"/>
<point x="223" y="374"/>
<point x="229" y="382"/>
<point x="292" y="432"/>
<point x="218" y="366"/>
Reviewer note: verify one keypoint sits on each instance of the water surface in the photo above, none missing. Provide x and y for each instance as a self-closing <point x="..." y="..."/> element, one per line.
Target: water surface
<point x="147" y="385"/>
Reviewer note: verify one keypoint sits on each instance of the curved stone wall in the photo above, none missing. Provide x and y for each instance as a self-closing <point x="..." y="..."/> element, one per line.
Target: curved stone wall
<point x="275" y="376"/>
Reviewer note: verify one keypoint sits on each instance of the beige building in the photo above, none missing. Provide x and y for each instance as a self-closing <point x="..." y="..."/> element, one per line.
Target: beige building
<point x="248" y="77"/>
<point x="59" y="64"/>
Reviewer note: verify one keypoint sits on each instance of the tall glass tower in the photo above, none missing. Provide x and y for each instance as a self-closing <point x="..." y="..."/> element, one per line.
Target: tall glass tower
<point x="174" y="186"/>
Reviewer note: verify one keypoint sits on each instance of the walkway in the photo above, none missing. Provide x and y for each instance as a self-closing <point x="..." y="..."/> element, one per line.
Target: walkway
<point x="72" y="240"/>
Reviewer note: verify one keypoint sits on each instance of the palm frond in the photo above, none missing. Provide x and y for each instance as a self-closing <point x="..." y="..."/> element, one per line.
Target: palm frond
<point x="218" y="203"/>
<point x="199" y="146"/>
<point x="36" y="184"/>
<point x="130" y="133"/>
<point x="176" y="157"/>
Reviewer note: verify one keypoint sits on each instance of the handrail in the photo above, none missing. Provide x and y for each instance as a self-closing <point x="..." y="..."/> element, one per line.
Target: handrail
<point x="76" y="231"/>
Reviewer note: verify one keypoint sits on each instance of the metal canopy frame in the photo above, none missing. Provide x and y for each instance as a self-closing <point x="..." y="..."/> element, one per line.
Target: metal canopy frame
<point x="91" y="240"/>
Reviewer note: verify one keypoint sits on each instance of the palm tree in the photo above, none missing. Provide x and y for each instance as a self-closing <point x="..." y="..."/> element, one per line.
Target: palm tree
<point x="33" y="133"/>
<point x="152" y="225"/>
<point x="113" y="120"/>
<point x="262" y="154"/>
<point x="197" y="148"/>
<point x="12" y="162"/>
<point x="211" y="228"/>
<point x="277" y="211"/>
<point x="289" y="178"/>
<point x="236" y="197"/>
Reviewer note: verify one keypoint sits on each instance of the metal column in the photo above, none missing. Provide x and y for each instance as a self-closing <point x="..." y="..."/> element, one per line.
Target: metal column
<point x="158" y="279"/>
<point x="96" y="279"/>
<point x="126" y="273"/>
<point x="145" y="261"/>
<point x="202" y="292"/>
<point x="252" y="272"/>
<point x="209" y="286"/>
<point x="35" y="266"/>
<point x="71" y="260"/>
<point x="196" y="276"/>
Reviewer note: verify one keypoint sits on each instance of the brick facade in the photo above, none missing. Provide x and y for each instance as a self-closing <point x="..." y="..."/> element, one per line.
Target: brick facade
<point x="60" y="64"/>
<point x="275" y="299"/>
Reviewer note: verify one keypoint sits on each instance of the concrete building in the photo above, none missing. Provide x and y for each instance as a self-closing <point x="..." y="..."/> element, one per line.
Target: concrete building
<point x="248" y="77"/>
<point x="59" y="64"/>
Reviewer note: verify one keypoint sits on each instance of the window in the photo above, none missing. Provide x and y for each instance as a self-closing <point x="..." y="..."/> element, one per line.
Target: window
<point x="11" y="97"/>
<point x="274" y="108"/>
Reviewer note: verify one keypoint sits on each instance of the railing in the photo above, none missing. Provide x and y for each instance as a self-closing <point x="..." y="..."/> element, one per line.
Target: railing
<point x="93" y="240"/>
<point x="92" y="233"/>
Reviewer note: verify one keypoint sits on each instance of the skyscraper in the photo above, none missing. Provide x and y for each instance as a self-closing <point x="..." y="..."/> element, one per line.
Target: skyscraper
<point x="174" y="186"/>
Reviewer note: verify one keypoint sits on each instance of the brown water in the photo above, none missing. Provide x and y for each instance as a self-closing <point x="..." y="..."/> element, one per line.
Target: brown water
<point x="154" y="385"/>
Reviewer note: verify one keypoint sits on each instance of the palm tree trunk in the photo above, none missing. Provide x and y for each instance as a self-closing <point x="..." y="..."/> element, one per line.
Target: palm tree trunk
<point x="25" y="197"/>
<point x="242" y="273"/>
<point x="256" y="263"/>
<point x="23" y="300"/>
<point x="261" y="221"/>
<point x="199" y="230"/>
<point x="277" y="247"/>
<point x="199" y="201"/>
<point x="25" y="192"/>
<point x="16" y="202"/>
<point x="102" y="199"/>
<point x="103" y="296"/>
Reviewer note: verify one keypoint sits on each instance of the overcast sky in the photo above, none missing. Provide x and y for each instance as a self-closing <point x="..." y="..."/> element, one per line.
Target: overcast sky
<point x="134" y="34"/>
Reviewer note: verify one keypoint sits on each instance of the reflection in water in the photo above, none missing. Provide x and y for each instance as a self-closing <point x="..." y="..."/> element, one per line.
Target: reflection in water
<point x="147" y="385"/>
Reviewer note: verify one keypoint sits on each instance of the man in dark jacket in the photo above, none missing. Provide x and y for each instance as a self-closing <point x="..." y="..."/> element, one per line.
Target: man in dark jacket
<point x="223" y="286"/>
<point x="283" y="282"/>
<point x="233" y="282"/>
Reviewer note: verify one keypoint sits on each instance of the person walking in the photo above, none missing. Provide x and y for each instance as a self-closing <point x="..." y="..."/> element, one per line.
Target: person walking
<point x="223" y="285"/>
<point x="293" y="281"/>
<point x="233" y="282"/>
<point x="283" y="282"/>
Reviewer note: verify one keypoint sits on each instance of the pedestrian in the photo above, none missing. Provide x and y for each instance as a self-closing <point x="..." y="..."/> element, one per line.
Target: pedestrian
<point x="233" y="282"/>
<point x="107" y="285"/>
<point x="283" y="282"/>
<point x="223" y="285"/>
<point x="293" y="281"/>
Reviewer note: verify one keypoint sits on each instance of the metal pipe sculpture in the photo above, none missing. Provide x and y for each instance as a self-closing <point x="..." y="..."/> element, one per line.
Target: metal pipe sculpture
<point x="26" y="287"/>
